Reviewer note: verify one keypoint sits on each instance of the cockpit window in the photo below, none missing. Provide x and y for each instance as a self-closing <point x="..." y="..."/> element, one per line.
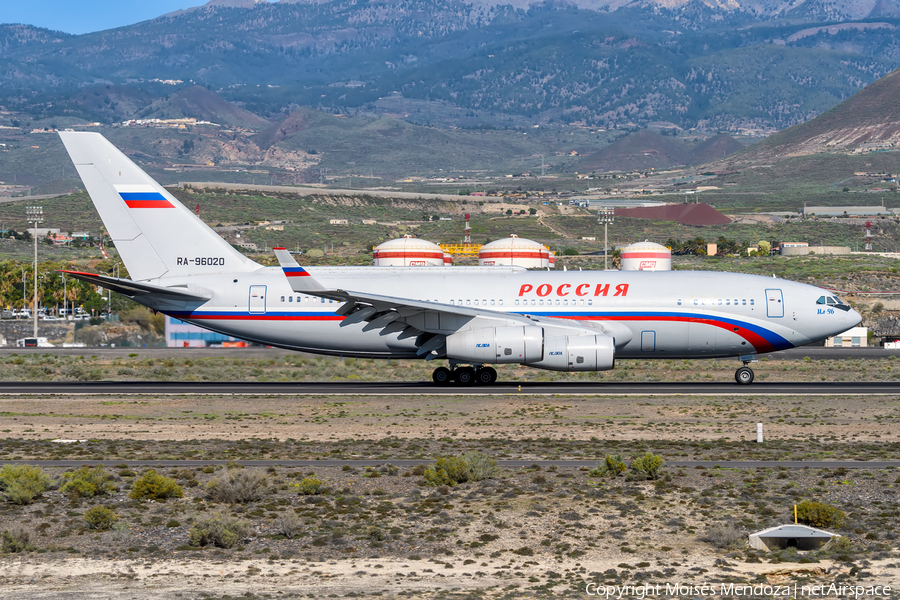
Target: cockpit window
<point x="832" y="301"/>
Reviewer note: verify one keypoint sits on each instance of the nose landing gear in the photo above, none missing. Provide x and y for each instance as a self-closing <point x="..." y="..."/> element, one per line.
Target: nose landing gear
<point x="474" y="375"/>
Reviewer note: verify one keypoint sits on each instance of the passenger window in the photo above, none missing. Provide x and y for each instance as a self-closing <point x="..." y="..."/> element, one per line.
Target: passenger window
<point x="695" y="302"/>
<point x="541" y="301"/>
<point x="581" y="302"/>
<point x="282" y="298"/>
<point x="751" y="301"/>
<point x="533" y="302"/>
<point x="501" y="301"/>
<point x="517" y="301"/>
<point x="679" y="302"/>
<point x="290" y="298"/>
<point x="590" y="301"/>
<point x="720" y="302"/>
<point x="492" y="302"/>
<point x="727" y="302"/>
<point x="744" y="302"/>
<point x="468" y="302"/>
<point x="557" y="301"/>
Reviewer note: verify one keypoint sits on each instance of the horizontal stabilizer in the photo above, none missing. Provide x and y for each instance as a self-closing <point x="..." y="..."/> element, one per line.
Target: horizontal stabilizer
<point x="133" y="289"/>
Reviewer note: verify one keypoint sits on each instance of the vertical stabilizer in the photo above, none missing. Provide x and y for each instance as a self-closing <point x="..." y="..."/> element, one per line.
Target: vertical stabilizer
<point x="154" y="233"/>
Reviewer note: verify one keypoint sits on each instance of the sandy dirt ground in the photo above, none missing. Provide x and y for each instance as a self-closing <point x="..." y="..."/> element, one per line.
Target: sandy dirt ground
<point x="323" y="418"/>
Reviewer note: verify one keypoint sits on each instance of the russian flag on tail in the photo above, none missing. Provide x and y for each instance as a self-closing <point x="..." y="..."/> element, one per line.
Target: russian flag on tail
<point x="142" y="196"/>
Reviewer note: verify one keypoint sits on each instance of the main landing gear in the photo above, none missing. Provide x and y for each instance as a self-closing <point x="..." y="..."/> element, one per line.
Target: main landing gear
<point x="744" y="375"/>
<point x="475" y="375"/>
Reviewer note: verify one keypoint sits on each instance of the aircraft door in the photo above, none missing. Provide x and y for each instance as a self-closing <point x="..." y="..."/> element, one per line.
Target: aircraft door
<point x="257" y="299"/>
<point x="774" y="304"/>
<point x="648" y="341"/>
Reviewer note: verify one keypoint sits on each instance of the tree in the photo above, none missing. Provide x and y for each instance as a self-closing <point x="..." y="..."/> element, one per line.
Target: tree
<point x="764" y="247"/>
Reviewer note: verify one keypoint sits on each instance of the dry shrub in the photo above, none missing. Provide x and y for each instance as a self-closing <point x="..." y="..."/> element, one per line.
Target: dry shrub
<point x="238" y="486"/>
<point x="88" y="482"/>
<point x="819" y="514"/>
<point x="153" y="486"/>
<point x="100" y="518"/>
<point x="288" y="524"/>
<point x="21" y="484"/>
<point x="16" y="539"/>
<point x="723" y="536"/>
<point x="217" y="529"/>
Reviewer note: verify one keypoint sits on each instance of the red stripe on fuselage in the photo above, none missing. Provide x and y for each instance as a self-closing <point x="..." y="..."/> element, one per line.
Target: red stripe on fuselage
<point x="756" y="340"/>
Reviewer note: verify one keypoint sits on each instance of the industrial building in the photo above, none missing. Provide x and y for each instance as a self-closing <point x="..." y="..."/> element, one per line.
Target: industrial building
<point x="516" y="251"/>
<point x="409" y="251"/>
<point x="646" y="256"/>
<point x="185" y="335"/>
<point x="856" y="337"/>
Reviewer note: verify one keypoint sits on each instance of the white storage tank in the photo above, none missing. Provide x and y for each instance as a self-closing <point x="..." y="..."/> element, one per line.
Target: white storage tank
<point x="515" y="251"/>
<point x="448" y="259"/>
<point x="646" y="256"/>
<point x="408" y="252"/>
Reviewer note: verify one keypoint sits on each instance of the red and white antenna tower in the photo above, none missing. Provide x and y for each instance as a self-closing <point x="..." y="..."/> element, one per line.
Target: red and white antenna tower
<point x="868" y="236"/>
<point x="468" y="237"/>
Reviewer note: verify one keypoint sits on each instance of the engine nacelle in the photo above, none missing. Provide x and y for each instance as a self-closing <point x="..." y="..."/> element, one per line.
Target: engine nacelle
<point x="497" y="345"/>
<point x="578" y="353"/>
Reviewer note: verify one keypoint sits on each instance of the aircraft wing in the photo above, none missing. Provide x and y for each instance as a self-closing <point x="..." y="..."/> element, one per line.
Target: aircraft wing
<point x="133" y="289"/>
<point x="429" y="322"/>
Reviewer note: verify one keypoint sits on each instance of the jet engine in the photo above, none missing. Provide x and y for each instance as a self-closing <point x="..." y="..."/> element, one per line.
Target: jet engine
<point x="578" y="353"/>
<point x="496" y="345"/>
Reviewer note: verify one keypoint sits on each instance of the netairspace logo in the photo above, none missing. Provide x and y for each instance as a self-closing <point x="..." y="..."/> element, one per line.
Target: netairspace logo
<point x="735" y="590"/>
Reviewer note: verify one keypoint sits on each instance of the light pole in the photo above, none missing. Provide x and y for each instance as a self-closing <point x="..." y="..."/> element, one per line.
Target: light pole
<point x="606" y="216"/>
<point x="23" y="288"/>
<point x="35" y="214"/>
<point x="65" y="300"/>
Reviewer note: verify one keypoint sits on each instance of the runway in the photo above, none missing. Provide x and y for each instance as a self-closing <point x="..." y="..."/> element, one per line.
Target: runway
<point x="126" y="388"/>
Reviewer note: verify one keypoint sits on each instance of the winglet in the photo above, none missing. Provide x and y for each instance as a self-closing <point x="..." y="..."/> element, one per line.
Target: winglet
<point x="298" y="277"/>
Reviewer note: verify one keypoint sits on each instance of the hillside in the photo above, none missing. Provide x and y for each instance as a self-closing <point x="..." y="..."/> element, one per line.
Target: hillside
<point x="869" y="121"/>
<point x="737" y="68"/>
<point x="199" y="103"/>
<point x="637" y="151"/>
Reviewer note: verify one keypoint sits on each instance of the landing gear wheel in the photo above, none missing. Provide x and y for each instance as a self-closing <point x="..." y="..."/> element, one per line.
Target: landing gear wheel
<point x="442" y="376"/>
<point x="744" y="376"/>
<point x="465" y="376"/>
<point x="486" y="375"/>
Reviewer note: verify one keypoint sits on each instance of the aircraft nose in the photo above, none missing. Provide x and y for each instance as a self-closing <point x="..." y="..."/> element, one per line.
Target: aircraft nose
<point x="853" y="318"/>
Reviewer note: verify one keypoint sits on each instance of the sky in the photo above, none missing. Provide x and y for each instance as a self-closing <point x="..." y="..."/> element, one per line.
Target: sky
<point x="85" y="16"/>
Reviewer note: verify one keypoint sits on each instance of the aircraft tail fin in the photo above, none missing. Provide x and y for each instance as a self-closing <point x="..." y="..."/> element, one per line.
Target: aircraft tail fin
<point x="155" y="234"/>
<point x="299" y="278"/>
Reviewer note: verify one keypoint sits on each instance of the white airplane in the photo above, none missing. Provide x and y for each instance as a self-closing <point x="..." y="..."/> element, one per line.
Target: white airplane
<point x="472" y="316"/>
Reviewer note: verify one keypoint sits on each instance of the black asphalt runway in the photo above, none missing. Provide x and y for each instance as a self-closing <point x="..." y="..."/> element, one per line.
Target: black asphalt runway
<point x="729" y="388"/>
<point x="687" y="464"/>
<point x="814" y="352"/>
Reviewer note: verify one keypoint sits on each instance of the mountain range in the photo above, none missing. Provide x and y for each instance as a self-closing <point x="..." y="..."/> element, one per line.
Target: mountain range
<point x="751" y="67"/>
